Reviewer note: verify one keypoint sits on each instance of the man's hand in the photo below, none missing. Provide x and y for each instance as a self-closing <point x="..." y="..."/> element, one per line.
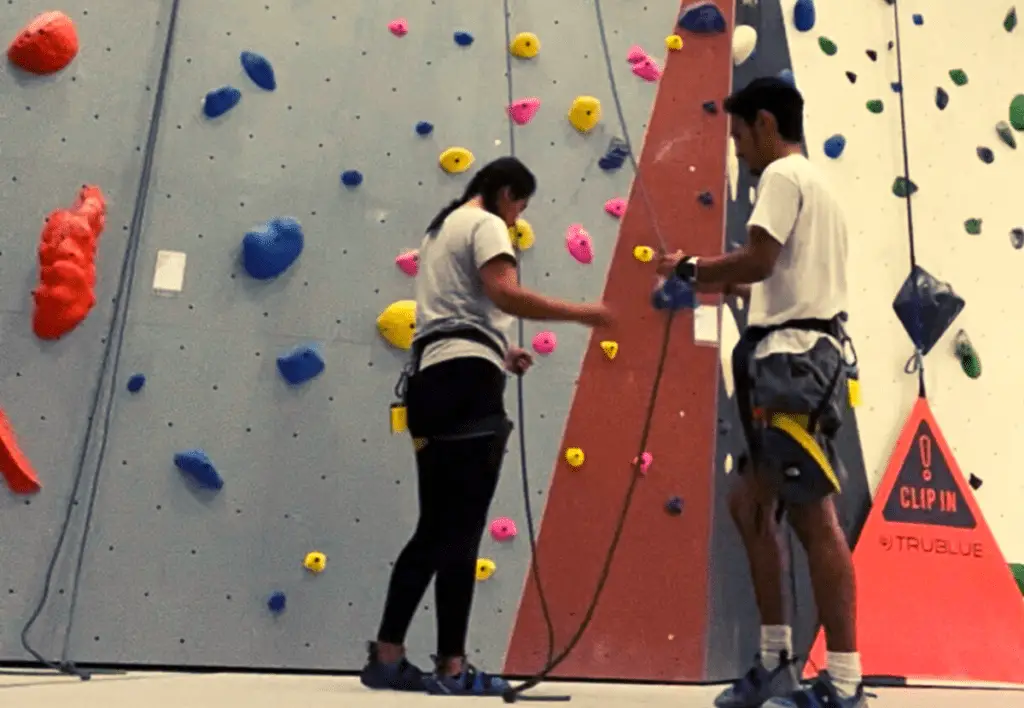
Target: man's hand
<point x="667" y="263"/>
<point x="518" y="360"/>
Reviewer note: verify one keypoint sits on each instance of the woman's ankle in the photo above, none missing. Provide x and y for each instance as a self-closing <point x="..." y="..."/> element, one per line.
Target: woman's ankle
<point x="388" y="653"/>
<point x="451" y="665"/>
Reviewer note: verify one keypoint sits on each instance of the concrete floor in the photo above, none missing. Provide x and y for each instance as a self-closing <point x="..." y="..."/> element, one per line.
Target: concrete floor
<point x="159" y="690"/>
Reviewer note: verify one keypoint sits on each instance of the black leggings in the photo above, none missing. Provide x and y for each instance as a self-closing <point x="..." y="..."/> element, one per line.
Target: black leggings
<point x="457" y="480"/>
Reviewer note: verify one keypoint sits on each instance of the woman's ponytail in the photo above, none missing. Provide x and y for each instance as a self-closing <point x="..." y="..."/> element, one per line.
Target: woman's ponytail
<point x="435" y="225"/>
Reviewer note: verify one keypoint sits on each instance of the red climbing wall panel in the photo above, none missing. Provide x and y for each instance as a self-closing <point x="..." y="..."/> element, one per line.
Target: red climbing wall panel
<point x="651" y="622"/>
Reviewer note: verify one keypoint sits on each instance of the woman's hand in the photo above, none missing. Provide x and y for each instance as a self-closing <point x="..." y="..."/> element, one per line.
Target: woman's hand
<point x="518" y="360"/>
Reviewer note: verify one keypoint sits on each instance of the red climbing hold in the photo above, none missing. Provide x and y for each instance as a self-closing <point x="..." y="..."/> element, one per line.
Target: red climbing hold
<point x="46" y="45"/>
<point x="14" y="466"/>
<point x="67" y="265"/>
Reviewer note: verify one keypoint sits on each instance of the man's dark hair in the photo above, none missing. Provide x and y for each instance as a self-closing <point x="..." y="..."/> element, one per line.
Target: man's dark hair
<point x="775" y="95"/>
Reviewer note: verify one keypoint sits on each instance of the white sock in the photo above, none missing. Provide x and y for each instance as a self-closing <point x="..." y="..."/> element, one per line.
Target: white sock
<point x="774" y="640"/>
<point x="844" y="667"/>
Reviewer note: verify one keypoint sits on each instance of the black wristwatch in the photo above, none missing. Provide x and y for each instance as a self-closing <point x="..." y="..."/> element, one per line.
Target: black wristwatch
<point x="686" y="270"/>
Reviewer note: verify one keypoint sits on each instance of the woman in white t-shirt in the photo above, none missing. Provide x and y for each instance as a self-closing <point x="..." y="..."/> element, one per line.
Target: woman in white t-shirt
<point x="467" y="298"/>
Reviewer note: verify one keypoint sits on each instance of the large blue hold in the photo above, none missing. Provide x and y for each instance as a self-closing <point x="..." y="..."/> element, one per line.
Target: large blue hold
<point x="702" y="18"/>
<point x="220" y="101"/>
<point x="804" y="16"/>
<point x="674" y="294"/>
<point x="272" y="249"/>
<point x="197" y="465"/>
<point x="301" y="364"/>
<point x="834" y="146"/>
<point x="259" y="70"/>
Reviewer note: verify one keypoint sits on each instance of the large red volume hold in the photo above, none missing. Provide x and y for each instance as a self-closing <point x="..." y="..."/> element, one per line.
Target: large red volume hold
<point x="46" y="45"/>
<point x="67" y="265"/>
<point x="14" y="466"/>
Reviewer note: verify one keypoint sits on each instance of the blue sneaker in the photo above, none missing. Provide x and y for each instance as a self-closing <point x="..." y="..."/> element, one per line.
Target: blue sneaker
<point x="821" y="694"/>
<point x="470" y="682"/>
<point x="759" y="684"/>
<point x="400" y="675"/>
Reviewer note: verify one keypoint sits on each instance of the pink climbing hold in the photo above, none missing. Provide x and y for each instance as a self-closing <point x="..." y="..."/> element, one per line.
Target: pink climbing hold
<point x="503" y="529"/>
<point x="616" y="207"/>
<point x="645" y="462"/>
<point x="636" y="54"/>
<point x="522" y="111"/>
<point x="647" y="70"/>
<point x="399" y="27"/>
<point x="409" y="263"/>
<point x="544" y="343"/>
<point x="577" y="240"/>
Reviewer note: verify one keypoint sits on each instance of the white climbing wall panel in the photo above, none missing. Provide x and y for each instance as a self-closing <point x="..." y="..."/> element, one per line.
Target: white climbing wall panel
<point x="175" y="576"/>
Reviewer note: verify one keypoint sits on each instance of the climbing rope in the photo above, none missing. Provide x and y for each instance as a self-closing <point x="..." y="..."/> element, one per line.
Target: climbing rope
<point x="916" y="361"/>
<point x="516" y="692"/>
<point x="112" y="356"/>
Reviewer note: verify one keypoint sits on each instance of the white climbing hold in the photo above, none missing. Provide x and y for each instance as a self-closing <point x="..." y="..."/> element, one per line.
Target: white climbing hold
<point x="744" y="41"/>
<point x="732" y="169"/>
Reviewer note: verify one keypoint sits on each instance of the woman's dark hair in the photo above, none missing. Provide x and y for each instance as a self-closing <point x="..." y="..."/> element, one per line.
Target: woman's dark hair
<point x="774" y="95"/>
<point x="487" y="183"/>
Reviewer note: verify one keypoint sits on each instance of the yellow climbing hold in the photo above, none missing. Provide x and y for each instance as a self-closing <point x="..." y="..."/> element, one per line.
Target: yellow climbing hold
<point x="574" y="456"/>
<point x="585" y="113"/>
<point x="521" y="234"/>
<point x="397" y="323"/>
<point x="524" y="45"/>
<point x="644" y="254"/>
<point x="315" y="562"/>
<point x="485" y="569"/>
<point x="674" y="42"/>
<point x="610" y="348"/>
<point x="456" y="159"/>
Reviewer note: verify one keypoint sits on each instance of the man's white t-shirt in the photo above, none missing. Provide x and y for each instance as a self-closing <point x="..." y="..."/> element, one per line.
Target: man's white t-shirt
<point x="798" y="208"/>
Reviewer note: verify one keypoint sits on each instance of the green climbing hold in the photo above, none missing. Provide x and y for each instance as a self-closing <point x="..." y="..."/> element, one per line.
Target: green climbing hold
<point x="969" y="360"/>
<point x="973" y="226"/>
<point x="903" y="187"/>
<point x="1005" y="134"/>
<point x="1017" y="570"/>
<point x="827" y="46"/>
<point x="959" y="76"/>
<point x="875" y="106"/>
<point x="1011" y="19"/>
<point x="1017" y="112"/>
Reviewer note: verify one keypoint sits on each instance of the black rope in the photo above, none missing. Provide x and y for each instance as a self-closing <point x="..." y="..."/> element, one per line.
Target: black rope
<point x="916" y="362"/>
<point x="111" y="353"/>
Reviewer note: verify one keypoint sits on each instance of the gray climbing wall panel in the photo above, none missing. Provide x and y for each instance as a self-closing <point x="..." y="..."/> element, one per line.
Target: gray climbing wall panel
<point x="172" y="576"/>
<point x="87" y="124"/>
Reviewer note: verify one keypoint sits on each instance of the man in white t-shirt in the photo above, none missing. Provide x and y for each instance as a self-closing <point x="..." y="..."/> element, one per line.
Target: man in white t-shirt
<point x="791" y="379"/>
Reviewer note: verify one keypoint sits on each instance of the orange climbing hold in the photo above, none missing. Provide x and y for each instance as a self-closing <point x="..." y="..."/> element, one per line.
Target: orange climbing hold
<point x="67" y="265"/>
<point x="14" y="466"/>
<point x="46" y="45"/>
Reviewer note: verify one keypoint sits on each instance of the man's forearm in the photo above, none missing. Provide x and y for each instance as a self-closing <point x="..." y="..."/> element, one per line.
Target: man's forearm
<point x="737" y="268"/>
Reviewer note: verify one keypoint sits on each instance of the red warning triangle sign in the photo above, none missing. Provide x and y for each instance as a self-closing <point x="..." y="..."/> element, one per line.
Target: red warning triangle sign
<point x="935" y="598"/>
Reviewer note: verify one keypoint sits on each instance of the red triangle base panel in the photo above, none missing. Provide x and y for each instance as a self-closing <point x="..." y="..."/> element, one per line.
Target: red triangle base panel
<point x="935" y="598"/>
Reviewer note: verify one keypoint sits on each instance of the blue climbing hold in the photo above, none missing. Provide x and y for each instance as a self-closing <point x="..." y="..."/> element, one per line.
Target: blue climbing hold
<point x="787" y="76"/>
<point x="351" y="178"/>
<point x="270" y="250"/>
<point x="986" y="155"/>
<point x="616" y="155"/>
<point x="702" y="17"/>
<point x="463" y="39"/>
<point x="804" y="16"/>
<point x="918" y="20"/>
<point x="276" y="602"/>
<point x="896" y="87"/>
<point x="259" y="70"/>
<point x="301" y="364"/>
<point x="941" y="98"/>
<point x="673" y="294"/>
<point x="710" y="107"/>
<point x="674" y="506"/>
<point x="220" y="101"/>
<point x="834" y="146"/>
<point x="424" y="128"/>
<point x="706" y="199"/>
<point x="136" y="382"/>
<point x="197" y="465"/>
